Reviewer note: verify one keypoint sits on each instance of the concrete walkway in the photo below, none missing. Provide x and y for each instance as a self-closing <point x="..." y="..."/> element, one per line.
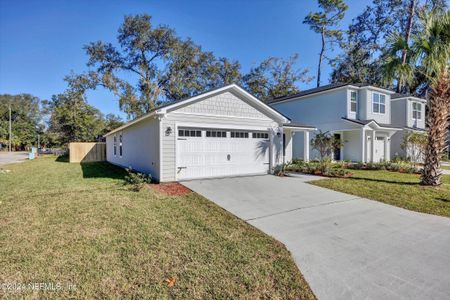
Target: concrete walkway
<point x="12" y="157"/>
<point x="346" y="247"/>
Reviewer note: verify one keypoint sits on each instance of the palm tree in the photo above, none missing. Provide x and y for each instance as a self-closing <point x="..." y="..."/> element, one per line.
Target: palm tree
<point x="397" y="65"/>
<point x="432" y="52"/>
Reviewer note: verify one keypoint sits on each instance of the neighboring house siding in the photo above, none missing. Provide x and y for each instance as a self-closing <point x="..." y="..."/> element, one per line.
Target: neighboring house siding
<point x="140" y="144"/>
<point x="218" y="111"/>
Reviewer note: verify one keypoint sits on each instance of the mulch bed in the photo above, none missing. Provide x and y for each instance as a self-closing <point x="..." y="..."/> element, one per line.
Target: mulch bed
<point x="171" y="189"/>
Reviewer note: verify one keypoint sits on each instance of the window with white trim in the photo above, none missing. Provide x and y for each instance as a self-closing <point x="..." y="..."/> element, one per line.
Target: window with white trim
<point x="120" y="145"/>
<point x="239" y="134"/>
<point x="417" y="110"/>
<point x="378" y="103"/>
<point x="189" y="132"/>
<point x="115" y="145"/>
<point x="260" y="135"/>
<point x="216" y="133"/>
<point x="353" y="101"/>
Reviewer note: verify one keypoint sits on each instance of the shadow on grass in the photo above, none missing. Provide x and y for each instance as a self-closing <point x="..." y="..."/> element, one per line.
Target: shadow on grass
<point x="62" y="158"/>
<point x="383" y="180"/>
<point x="102" y="170"/>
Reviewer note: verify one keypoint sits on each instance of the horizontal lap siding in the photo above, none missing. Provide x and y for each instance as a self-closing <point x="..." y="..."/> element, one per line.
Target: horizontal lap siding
<point x="140" y="148"/>
<point x="224" y="109"/>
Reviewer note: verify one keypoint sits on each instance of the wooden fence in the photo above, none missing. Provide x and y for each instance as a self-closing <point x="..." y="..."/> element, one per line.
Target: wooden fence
<point x="87" y="152"/>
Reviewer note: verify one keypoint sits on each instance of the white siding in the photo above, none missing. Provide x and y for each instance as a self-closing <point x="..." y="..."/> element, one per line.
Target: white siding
<point x="324" y="111"/>
<point x="399" y="113"/>
<point x="223" y="110"/>
<point x="140" y="147"/>
<point x="352" y="145"/>
<point x="378" y="117"/>
<point x="412" y="122"/>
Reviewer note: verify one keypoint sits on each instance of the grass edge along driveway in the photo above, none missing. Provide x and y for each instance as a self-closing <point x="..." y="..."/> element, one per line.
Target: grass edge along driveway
<point x="398" y="189"/>
<point x="80" y="225"/>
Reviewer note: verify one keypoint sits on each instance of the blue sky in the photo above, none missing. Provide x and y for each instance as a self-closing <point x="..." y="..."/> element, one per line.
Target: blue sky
<point x="42" y="41"/>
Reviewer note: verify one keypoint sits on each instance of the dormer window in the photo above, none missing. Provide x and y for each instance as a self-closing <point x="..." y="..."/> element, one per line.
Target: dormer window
<point x="417" y="111"/>
<point x="378" y="103"/>
<point x="353" y="101"/>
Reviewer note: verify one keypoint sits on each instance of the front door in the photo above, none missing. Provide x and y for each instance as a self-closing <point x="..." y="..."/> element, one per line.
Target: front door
<point x="379" y="146"/>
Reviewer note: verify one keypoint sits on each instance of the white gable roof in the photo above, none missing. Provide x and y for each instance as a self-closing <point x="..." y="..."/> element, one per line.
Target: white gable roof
<point x="244" y="95"/>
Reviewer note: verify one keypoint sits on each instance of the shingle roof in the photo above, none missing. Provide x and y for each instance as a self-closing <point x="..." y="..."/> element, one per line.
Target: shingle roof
<point x="317" y="90"/>
<point x="300" y="125"/>
<point x="401" y="95"/>
<point x="365" y="122"/>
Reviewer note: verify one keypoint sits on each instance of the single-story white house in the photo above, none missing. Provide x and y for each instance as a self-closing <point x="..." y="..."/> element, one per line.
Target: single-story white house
<point x="223" y="132"/>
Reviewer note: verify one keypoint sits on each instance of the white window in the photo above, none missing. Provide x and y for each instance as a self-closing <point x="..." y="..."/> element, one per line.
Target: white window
<point x="189" y="132"/>
<point x="115" y="145"/>
<point x="378" y="103"/>
<point x="353" y="101"/>
<point x="416" y="111"/>
<point x="260" y="135"/>
<point x="216" y="133"/>
<point x="239" y="134"/>
<point x="120" y="145"/>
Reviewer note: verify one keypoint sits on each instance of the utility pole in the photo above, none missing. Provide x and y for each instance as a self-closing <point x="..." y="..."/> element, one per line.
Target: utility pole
<point x="9" y="127"/>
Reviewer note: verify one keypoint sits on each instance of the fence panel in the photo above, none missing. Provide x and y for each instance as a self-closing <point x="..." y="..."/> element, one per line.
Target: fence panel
<point x="87" y="152"/>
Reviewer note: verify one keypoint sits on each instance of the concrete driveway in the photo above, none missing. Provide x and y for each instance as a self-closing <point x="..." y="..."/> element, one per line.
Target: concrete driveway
<point x="346" y="247"/>
<point x="12" y="157"/>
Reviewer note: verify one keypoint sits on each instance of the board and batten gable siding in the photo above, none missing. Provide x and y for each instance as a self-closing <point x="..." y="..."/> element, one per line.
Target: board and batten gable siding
<point x="219" y="111"/>
<point x="140" y="143"/>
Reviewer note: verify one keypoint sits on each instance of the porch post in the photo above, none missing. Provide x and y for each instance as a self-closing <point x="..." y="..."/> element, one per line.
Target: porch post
<point x="306" y="145"/>
<point x="363" y="145"/>
<point x="372" y="147"/>
<point x="387" y="148"/>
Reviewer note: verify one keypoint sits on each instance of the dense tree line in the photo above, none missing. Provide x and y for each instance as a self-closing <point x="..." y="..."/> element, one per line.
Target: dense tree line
<point x="397" y="44"/>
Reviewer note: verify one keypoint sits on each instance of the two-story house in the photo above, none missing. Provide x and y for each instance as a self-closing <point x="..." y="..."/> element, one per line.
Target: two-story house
<point x="365" y="118"/>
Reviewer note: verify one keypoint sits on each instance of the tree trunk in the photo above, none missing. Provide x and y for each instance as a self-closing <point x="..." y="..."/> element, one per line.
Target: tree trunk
<point x="437" y="121"/>
<point x="412" y="8"/>
<point x="322" y="50"/>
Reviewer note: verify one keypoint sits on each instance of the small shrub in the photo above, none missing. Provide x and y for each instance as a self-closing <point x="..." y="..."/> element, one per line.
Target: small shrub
<point x="323" y="168"/>
<point x="137" y="180"/>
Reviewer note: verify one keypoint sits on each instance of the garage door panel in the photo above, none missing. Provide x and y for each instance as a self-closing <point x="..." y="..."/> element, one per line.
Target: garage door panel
<point x="224" y="154"/>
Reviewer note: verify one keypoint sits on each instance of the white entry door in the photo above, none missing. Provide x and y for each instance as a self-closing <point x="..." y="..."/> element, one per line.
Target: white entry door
<point x="379" y="149"/>
<point x="203" y="153"/>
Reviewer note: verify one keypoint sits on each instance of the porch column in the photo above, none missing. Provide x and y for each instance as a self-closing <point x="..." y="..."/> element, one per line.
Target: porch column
<point x="306" y="146"/>
<point x="363" y="145"/>
<point x="387" y="148"/>
<point x="372" y="146"/>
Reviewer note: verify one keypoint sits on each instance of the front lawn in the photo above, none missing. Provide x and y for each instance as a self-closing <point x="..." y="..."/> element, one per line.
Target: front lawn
<point x="78" y="225"/>
<point x="402" y="190"/>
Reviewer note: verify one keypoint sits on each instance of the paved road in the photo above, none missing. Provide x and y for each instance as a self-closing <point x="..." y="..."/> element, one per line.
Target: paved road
<point x="346" y="247"/>
<point x="7" y="158"/>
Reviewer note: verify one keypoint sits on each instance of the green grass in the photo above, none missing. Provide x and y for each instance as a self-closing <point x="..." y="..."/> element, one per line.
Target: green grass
<point x="445" y="167"/>
<point x="79" y="224"/>
<point x="402" y="190"/>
